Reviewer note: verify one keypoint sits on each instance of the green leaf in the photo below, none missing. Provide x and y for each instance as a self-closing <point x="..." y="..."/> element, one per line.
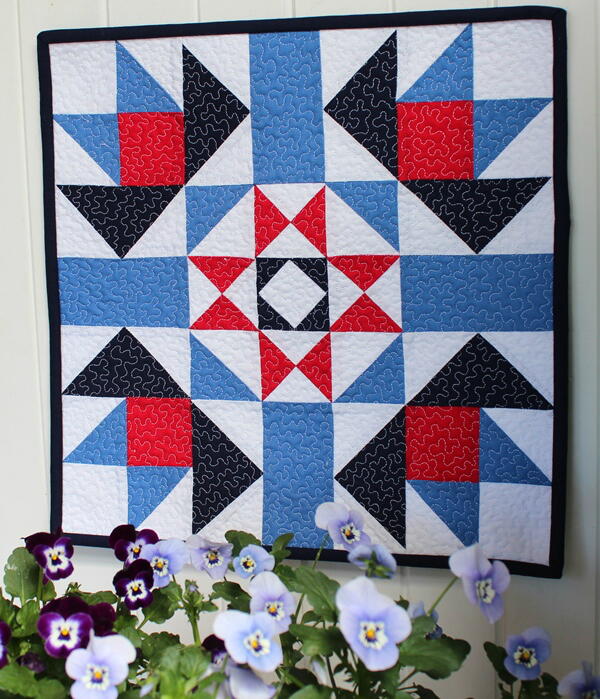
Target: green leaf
<point x="421" y="626"/>
<point x="316" y="641"/>
<point x="97" y="597"/>
<point x="403" y="695"/>
<point x="169" y="658"/>
<point x="550" y="685"/>
<point x="287" y="575"/>
<point x="27" y="618"/>
<point x="310" y="617"/>
<point x="164" y="604"/>
<point x="424" y="693"/>
<point x="18" y="680"/>
<point x="193" y="662"/>
<point x="51" y="689"/>
<point x="279" y="549"/>
<point x="7" y="609"/>
<point x="133" y="635"/>
<point x="319" y="589"/>
<point x="312" y="693"/>
<point x="155" y="643"/>
<point x="436" y="657"/>
<point x="496" y="655"/>
<point x="231" y="592"/>
<point x="21" y="575"/>
<point x="240" y="539"/>
<point x="530" y="690"/>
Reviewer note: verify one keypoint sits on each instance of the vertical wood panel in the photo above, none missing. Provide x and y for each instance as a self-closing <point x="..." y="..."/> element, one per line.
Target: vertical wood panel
<point x="144" y="12"/>
<point x="215" y="10"/>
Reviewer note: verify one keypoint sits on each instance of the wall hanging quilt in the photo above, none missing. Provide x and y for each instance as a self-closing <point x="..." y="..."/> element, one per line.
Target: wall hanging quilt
<point x="307" y="260"/>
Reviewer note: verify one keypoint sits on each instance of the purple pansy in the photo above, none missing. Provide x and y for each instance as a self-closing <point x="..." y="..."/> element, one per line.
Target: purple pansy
<point x="64" y="625"/>
<point x="250" y="638"/>
<point x="580" y="684"/>
<point x="167" y="557"/>
<point x="376" y="560"/>
<point x="209" y="556"/>
<point x="53" y="553"/>
<point x="134" y="584"/>
<point x="242" y="683"/>
<point x="345" y="526"/>
<point x="371" y="623"/>
<point x="215" y="646"/>
<point x="102" y="614"/>
<point x="32" y="661"/>
<point x="525" y="653"/>
<point x="98" y="669"/>
<point x="418" y="609"/>
<point x="252" y="561"/>
<point x="270" y="595"/>
<point x="5" y="635"/>
<point x="128" y="543"/>
<point x="483" y="582"/>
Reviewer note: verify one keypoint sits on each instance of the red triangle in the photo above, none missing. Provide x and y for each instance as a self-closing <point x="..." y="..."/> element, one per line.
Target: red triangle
<point x="311" y="222"/>
<point x="268" y="221"/>
<point x="364" y="270"/>
<point x="316" y="365"/>
<point x="275" y="366"/>
<point x="222" y="271"/>
<point x="223" y="315"/>
<point x="365" y="316"/>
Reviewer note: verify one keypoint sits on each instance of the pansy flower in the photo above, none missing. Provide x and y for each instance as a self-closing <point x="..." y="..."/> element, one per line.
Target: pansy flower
<point x="250" y="638"/>
<point x="418" y="609"/>
<point x="242" y="683"/>
<point x="5" y="635"/>
<point x="270" y="595"/>
<point x="134" y="584"/>
<point x="209" y="556"/>
<point x="253" y="560"/>
<point x="64" y="626"/>
<point x="525" y="653"/>
<point x="376" y="560"/>
<point x="580" y="684"/>
<point x="215" y="646"/>
<point x="103" y="615"/>
<point x="31" y="661"/>
<point x="128" y="543"/>
<point x="53" y="553"/>
<point x="483" y="582"/>
<point x="99" y="668"/>
<point x="345" y="526"/>
<point x="167" y="557"/>
<point x="371" y="623"/>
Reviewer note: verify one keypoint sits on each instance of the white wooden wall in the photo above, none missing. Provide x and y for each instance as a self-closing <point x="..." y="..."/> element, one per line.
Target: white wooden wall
<point x="568" y="608"/>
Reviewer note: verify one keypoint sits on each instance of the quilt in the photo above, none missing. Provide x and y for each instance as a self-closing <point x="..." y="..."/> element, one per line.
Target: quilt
<point x="311" y="260"/>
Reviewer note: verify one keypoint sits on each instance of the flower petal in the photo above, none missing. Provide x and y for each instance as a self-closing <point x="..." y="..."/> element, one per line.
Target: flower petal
<point x="469" y="562"/>
<point x="116" y="645"/>
<point x="244" y="684"/>
<point x="500" y="576"/>
<point x="327" y="511"/>
<point x="77" y="662"/>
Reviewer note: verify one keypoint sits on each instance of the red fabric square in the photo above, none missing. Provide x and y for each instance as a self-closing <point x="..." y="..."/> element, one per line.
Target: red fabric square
<point x="159" y="432"/>
<point x="435" y="140"/>
<point x="442" y="444"/>
<point x="152" y="148"/>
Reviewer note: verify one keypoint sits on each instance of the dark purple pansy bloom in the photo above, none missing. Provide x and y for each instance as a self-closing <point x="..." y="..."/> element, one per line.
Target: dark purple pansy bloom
<point x="53" y="553"/>
<point x="5" y="634"/>
<point x="134" y="584"/>
<point x="32" y="661"/>
<point x="215" y="646"/>
<point x="128" y="543"/>
<point x="526" y="652"/>
<point x="102" y="614"/>
<point x="64" y="625"/>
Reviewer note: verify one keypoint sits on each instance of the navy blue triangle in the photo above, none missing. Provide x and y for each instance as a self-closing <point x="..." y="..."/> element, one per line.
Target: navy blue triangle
<point x="456" y="504"/>
<point x="147" y="487"/>
<point x="382" y="382"/>
<point x="107" y="443"/>
<point x="206" y="206"/>
<point x="449" y="77"/>
<point x="212" y="380"/>
<point x="137" y="90"/>
<point x="501" y="460"/>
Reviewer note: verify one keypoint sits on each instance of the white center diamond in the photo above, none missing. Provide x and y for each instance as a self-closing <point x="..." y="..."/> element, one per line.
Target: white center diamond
<point x="292" y="293"/>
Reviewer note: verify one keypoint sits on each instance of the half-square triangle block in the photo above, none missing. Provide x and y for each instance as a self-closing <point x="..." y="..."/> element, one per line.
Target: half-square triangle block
<point x="107" y="443"/>
<point x="147" y="487"/>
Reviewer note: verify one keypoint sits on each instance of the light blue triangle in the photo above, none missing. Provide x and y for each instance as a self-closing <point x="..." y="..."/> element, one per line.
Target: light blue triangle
<point x="376" y="202"/>
<point x="456" y="504"/>
<point x="497" y="122"/>
<point x="501" y="460"/>
<point x="449" y="77"/>
<point x="212" y="380"/>
<point x="147" y="487"/>
<point x="206" y="206"/>
<point x="98" y="135"/>
<point x="382" y="382"/>
<point x="137" y="90"/>
<point x="107" y="444"/>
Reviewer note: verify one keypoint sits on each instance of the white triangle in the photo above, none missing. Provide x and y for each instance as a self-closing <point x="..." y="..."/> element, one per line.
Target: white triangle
<point x="531" y="431"/>
<point x="295" y="345"/>
<point x="166" y="237"/>
<point x="530" y="153"/>
<point x="343" y="292"/>
<point x="81" y="344"/>
<point x="290" y="199"/>
<point x="385" y="292"/>
<point x="72" y="165"/>
<point x="75" y="236"/>
<point x="422" y="232"/>
<point x="202" y="292"/>
<point x="348" y="233"/>
<point x="163" y="60"/>
<point x="425" y="354"/>
<point x="240" y="421"/>
<point x="234" y="234"/>
<point x="531" y="353"/>
<point x="232" y="162"/>
<point x="245" y="513"/>
<point x="238" y="350"/>
<point x="81" y="415"/>
<point x="425" y="531"/>
<point x="296" y="388"/>
<point x="419" y="47"/>
<point x="290" y="243"/>
<point x="243" y="293"/>
<point x="173" y="516"/>
<point x="352" y="353"/>
<point x="171" y="348"/>
<point x="355" y="424"/>
<point x="531" y="231"/>
<point x="346" y="159"/>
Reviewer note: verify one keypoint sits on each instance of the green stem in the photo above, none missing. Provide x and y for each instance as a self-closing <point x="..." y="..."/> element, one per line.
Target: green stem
<point x="330" y="673"/>
<point x="142" y="623"/>
<point x="314" y="565"/>
<point x="441" y="596"/>
<point x="405" y="679"/>
<point x="195" y="632"/>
